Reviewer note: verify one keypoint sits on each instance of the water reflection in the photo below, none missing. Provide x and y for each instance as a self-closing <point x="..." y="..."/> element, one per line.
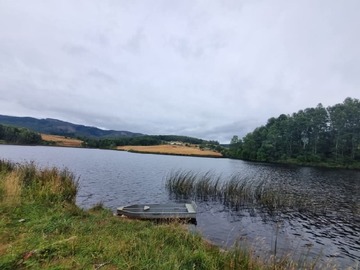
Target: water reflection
<point x="332" y="228"/>
<point x="324" y="221"/>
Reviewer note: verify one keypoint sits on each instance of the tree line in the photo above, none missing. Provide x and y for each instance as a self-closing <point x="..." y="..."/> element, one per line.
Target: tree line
<point x="314" y="135"/>
<point x="145" y="140"/>
<point x="15" y="135"/>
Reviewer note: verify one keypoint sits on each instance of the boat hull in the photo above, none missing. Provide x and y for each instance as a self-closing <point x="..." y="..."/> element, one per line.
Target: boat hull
<point x="183" y="211"/>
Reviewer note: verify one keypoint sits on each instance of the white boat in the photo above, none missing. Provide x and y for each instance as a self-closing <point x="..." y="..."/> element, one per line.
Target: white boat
<point x="159" y="211"/>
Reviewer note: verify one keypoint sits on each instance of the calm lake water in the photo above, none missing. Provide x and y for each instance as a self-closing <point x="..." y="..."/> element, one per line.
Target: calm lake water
<point x="120" y="178"/>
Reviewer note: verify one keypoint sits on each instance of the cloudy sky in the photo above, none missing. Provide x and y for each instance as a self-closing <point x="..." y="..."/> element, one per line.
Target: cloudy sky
<point x="209" y="69"/>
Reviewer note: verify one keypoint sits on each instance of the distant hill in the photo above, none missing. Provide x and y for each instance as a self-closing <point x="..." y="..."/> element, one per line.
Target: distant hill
<point x="58" y="127"/>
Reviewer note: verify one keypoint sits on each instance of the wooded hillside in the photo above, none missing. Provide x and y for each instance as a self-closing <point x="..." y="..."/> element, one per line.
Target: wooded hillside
<point x="58" y="127"/>
<point x="16" y="135"/>
<point x="314" y="135"/>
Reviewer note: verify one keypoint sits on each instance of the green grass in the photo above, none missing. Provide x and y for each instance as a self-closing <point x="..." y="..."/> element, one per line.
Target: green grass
<point x="78" y="240"/>
<point x="42" y="228"/>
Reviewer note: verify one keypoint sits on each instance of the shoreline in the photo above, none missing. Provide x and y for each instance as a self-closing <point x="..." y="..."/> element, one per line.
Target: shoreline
<point x="54" y="232"/>
<point x="284" y="163"/>
<point x="168" y="149"/>
<point x="168" y="154"/>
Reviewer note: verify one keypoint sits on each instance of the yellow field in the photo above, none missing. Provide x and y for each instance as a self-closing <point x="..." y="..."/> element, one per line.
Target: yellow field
<point x="171" y="149"/>
<point x="61" y="140"/>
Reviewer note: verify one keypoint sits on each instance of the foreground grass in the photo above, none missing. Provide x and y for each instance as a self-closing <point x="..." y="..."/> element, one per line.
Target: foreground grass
<point x="69" y="238"/>
<point x="42" y="228"/>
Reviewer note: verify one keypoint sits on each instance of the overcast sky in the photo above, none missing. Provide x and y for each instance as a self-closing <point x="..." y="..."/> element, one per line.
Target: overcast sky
<point x="208" y="69"/>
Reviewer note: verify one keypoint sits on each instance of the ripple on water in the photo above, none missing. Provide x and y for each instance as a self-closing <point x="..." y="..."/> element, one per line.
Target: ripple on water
<point x="118" y="178"/>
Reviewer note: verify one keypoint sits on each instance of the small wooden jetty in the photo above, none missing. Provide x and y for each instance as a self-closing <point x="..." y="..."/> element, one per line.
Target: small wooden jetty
<point x="177" y="211"/>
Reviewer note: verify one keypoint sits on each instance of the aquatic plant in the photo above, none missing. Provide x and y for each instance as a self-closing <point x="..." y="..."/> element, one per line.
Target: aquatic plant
<point x="181" y="184"/>
<point x="238" y="193"/>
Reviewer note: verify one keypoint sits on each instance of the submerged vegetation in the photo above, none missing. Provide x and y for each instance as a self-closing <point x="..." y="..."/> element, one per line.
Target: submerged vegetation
<point x="267" y="198"/>
<point x="286" y="202"/>
<point x="317" y="136"/>
<point x="42" y="228"/>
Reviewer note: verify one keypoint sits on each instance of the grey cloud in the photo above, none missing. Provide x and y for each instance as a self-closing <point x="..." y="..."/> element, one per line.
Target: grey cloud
<point x="211" y="69"/>
<point x="75" y="50"/>
<point x="182" y="46"/>
<point x="95" y="73"/>
<point x="134" y="44"/>
<point x="224" y="133"/>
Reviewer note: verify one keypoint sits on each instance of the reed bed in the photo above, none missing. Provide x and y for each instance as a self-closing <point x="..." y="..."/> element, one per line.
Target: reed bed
<point x="25" y="182"/>
<point x="237" y="193"/>
<point x="6" y="166"/>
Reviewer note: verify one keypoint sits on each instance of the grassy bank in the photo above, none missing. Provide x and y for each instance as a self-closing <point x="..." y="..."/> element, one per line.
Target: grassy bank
<point x="42" y="228"/>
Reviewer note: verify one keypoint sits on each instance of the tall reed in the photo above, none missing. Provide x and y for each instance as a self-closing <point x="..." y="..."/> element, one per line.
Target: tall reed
<point x="6" y="166"/>
<point x="27" y="182"/>
<point x="236" y="192"/>
<point x="11" y="188"/>
<point x="182" y="183"/>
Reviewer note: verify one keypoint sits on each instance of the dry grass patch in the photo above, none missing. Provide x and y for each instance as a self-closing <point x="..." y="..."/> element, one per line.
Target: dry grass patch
<point x="170" y="149"/>
<point x="11" y="188"/>
<point x="61" y="140"/>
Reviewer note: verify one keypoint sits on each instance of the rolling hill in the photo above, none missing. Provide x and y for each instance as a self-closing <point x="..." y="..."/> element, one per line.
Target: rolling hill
<point x="58" y="127"/>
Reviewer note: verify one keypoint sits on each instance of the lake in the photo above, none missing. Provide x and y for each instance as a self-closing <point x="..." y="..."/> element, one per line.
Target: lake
<point x="116" y="178"/>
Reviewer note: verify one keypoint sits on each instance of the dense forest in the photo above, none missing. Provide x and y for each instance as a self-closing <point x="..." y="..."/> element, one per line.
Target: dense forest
<point x="329" y="136"/>
<point x="15" y="135"/>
